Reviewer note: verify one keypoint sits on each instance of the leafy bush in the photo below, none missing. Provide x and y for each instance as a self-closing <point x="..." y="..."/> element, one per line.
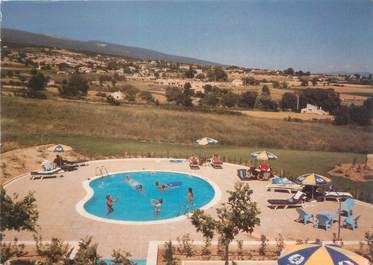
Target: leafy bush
<point x="76" y="86"/>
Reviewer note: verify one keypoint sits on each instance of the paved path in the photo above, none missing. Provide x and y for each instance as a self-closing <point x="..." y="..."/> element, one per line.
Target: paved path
<point x="57" y="198"/>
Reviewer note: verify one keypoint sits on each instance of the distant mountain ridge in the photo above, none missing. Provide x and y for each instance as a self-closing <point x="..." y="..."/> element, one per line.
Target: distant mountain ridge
<point x="35" y="39"/>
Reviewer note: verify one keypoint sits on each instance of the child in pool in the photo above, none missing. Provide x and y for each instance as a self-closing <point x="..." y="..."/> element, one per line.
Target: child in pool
<point x="190" y="194"/>
<point x="157" y="205"/>
<point x="109" y="204"/>
<point x="161" y="186"/>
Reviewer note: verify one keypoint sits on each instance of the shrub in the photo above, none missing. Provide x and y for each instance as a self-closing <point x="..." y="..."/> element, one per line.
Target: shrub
<point x="185" y="246"/>
<point x="342" y="116"/>
<point x="169" y="252"/>
<point x="76" y="86"/>
<point x="263" y="245"/>
<point x="247" y="99"/>
<point x="289" y="101"/>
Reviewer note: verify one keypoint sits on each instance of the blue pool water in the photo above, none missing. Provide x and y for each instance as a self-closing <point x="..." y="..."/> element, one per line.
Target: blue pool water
<point x="133" y="205"/>
<point x="137" y="261"/>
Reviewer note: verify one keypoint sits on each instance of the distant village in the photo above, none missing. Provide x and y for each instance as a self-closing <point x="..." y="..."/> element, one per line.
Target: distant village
<point x="212" y="85"/>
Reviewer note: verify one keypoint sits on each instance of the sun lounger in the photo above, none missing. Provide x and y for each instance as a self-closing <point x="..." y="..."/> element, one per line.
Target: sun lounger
<point x="283" y="184"/>
<point x="78" y="163"/>
<point x="194" y="162"/>
<point x="338" y="196"/>
<point x="41" y="174"/>
<point x="351" y="221"/>
<point x="216" y="162"/>
<point x="245" y="174"/>
<point x="303" y="216"/>
<point x="295" y="201"/>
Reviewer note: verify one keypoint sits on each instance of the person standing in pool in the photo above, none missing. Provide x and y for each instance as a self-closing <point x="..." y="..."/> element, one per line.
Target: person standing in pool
<point x="190" y="194"/>
<point x="157" y="205"/>
<point x="109" y="204"/>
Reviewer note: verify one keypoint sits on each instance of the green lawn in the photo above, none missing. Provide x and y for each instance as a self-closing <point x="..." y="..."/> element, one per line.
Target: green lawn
<point x="100" y="130"/>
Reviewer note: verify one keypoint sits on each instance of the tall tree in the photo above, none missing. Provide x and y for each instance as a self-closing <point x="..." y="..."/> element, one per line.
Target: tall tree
<point x="76" y="86"/>
<point x="238" y="214"/>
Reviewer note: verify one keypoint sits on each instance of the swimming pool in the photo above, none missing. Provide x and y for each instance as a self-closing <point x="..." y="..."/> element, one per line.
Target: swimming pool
<point x="138" y="206"/>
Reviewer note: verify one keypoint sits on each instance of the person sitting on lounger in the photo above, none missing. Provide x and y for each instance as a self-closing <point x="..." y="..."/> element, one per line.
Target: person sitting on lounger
<point x="58" y="161"/>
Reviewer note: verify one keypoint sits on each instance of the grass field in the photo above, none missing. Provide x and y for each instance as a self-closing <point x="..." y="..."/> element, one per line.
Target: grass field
<point x="99" y="130"/>
<point x="147" y="123"/>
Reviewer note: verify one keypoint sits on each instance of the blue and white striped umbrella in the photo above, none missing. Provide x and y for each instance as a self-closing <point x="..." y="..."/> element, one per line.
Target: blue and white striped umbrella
<point x="263" y="155"/>
<point x="206" y="141"/>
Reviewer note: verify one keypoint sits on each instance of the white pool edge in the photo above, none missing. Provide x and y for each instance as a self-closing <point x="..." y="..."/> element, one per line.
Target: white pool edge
<point x="79" y="207"/>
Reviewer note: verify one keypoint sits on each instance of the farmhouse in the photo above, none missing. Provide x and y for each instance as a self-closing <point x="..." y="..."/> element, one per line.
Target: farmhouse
<point x="117" y="95"/>
<point x="314" y="110"/>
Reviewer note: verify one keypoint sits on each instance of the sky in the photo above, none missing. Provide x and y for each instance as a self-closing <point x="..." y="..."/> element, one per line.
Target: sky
<point x="310" y="35"/>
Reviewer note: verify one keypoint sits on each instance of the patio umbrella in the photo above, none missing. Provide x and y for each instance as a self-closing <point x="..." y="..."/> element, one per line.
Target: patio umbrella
<point x="312" y="179"/>
<point x="206" y="141"/>
<point x="318" y="254"/>
<point x="59" y="148"/>
<point x="263" y="155"/>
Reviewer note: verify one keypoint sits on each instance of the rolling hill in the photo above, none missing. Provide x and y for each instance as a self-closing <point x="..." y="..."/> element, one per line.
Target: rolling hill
<point x="13" y="36"/>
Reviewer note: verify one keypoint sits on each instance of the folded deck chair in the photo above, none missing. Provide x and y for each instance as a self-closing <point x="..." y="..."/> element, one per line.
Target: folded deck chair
<point x="283" y="184"/>
<point x="294" y="201"/>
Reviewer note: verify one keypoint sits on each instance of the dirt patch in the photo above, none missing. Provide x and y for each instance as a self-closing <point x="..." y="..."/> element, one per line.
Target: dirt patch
<point x="23" y="160"/>
<point x="356" y="172"/>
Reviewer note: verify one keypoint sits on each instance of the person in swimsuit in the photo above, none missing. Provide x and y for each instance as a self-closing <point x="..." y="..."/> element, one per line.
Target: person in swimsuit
<point x="109" y="204"/>
<point x="161" y="186"/>
<point x="190" y="194"/>
<point x="157" y="206"/>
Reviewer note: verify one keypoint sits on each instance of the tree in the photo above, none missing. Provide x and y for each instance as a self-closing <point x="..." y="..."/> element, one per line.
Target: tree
<point x="342" y="116"/>
<point x="217" y="74"/>
<point x="265" y="102"/>
<point x="360" y="115"/>
<point x="238" y="214"/>
<point x="266" y="91"/>
<point x="147" y="96"/>
<point x="168" y="255"/>
<point x="189" y="73"/>
<point x="120" y="258"/>
<point x="10" y="250"/>
<point x="275" y="84"/>
<point x="289" y="71"/>
<point x="304" y="82"/>
<point x="18" y="214"/>
<point x="210" y="99"/>
<point x="55" y="252"/>
<point x="284" y="85"/>
<point x="368" y="103"/>
<point x="200" y="76"/>
<point x="185" y="98"/>
<point x="87" y="253"/>
<point x="249" y="81"/>
<point x="36" y="85"/>
<point x="230" y="99"/>
<point x="173" y="93"/>
<point x="247" y="99"/>
<point x="327" y="99"/>
<point x="314" y="81"/>
<point x="130" y="91"/>
<point x="76" y="86"/>
<point x="289" y="101"/>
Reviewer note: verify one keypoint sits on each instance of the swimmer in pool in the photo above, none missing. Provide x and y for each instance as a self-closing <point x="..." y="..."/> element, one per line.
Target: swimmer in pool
<point x="161" y="186"/>
<point x="109" y="204"/>
<point x="157" y="205"/>
<point x="190" y="194"/>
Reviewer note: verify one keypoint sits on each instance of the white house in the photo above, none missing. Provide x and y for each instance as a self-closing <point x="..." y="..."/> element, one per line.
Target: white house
<point x="237" y="82"/>
<point x="314" y="110"/>
<point x="117" y="95"/>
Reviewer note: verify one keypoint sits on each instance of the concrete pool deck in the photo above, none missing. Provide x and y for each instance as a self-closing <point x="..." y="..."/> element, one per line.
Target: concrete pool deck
<point x="58" y="217"/>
